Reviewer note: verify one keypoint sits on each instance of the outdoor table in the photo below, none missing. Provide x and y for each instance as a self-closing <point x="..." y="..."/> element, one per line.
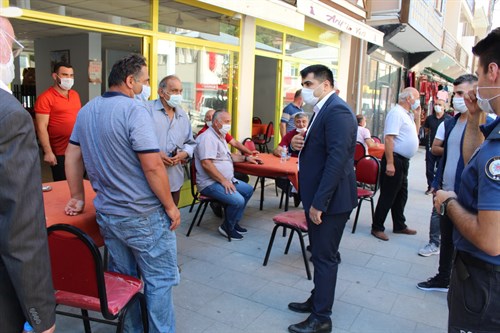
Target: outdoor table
<point x="378" y="151"/>
<point x="272" y="167"/>
<point x="56" y="200"/>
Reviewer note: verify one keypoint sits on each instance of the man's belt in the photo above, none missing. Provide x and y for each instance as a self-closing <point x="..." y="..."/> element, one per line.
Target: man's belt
<point x="401" y="156"/>
<point x="470" y="260"/>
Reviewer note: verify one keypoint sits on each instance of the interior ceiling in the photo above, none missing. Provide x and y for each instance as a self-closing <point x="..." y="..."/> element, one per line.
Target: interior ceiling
<point x="27" y="32"/>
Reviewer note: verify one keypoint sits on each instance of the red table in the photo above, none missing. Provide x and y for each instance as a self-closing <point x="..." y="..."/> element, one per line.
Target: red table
<point x="271" y="168"/>
<point x="56" y="200"/>
<point x="378" y="151"/>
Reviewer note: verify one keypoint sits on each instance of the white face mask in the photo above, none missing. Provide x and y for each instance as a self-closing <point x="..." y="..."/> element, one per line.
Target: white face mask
<point x="308" y="96"/>
<point x="174" y="101"/>
<point x="484" y="103"/>
<point x="225" y="129"/>
<point x="438" y="109"/>
<point x="459" y="104"/>
<point x="415" y="104"/>
<point x="145" y="93"/>
<point x="301" y="130"/>
<point x="66" y="83"/>
<point x="209" y="123"/>
<point x="7" y="71"/>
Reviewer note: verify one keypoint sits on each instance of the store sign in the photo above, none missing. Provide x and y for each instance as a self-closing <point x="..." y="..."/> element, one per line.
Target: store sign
<point x="275" y="11"/>
<point x="95" y="70"/>
<point x="340" y="21"/>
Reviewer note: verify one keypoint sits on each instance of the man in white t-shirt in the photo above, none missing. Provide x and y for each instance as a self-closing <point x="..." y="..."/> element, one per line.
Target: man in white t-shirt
<point x="364" y="135"/>
<point x="401" y="143"/>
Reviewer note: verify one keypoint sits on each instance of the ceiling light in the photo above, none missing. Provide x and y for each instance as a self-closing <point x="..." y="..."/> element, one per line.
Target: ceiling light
<point x="179" y="20"/>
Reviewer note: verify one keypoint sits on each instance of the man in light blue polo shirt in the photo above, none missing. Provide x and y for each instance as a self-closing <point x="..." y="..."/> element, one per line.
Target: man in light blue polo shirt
<point x="114" y="137"/>
<point x="173" y="130"/>
<point x="401" y="143"/>
<point x="215" y="174"/>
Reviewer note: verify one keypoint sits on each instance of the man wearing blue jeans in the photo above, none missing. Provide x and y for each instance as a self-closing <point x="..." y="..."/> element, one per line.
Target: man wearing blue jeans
<point x="115" y="138"/>
<point x="215" y="174"/>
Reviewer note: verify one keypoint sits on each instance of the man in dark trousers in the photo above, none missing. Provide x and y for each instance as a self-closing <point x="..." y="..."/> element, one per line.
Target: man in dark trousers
<point x="328" y="186"/>
<point x="26" y="292"/>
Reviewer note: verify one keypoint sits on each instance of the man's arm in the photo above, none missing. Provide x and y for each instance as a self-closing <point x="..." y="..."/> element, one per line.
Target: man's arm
<point x="482" y="230"/>
<point x="437" y="147"/>
<point x="209" y="166"/>
<point x="389" y="157"/>
<point x="157" y="178"/>
<point x="282" y="129"/>
<point x="42" y="123"/>
<point x="74" y="169"/>
<point x="417" y="114"/>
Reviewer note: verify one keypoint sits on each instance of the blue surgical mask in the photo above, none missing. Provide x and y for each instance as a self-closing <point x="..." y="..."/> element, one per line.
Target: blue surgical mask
<point x="145" y="93"/>
<point x="484" y="103"/>
<point x="415" y="104"/>
<point x="174" y="101"/>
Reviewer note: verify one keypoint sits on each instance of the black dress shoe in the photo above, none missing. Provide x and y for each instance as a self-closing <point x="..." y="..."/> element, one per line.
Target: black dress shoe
<point x="311" y="326"/>
<point x="305" y="307"/>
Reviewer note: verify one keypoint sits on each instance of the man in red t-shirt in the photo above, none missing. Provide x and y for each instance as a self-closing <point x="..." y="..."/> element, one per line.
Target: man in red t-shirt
<point x="301" y="120"/>
<point x="56" y="111"/>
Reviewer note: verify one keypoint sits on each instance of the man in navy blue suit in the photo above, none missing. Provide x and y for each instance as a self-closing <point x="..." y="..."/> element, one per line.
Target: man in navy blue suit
<point x="328" y="187"/>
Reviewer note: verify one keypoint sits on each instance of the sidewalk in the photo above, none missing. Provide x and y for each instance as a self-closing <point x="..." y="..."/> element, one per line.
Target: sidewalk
<point x="225" y="288"/>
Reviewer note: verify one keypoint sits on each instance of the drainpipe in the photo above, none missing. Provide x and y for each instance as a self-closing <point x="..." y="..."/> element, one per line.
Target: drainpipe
<point x="360" y="73"/>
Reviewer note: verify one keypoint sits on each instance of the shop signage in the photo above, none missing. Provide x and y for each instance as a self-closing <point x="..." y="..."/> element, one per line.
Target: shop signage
<point x="95" y="70"/>
<point x="340" y="21"/>
<point x="275" y="11"/>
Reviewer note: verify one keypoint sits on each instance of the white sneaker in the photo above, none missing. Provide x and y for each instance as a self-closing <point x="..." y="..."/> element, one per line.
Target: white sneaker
<point x="428" y="250"/>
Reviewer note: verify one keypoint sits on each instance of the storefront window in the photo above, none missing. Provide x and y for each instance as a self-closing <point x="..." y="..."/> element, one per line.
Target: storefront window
<point x="184" y="20"/>
<point x="205" y="76"/>
<point x="310" y="50"/>
<point x="131" y="13"/>
<point x="269" y="40"/>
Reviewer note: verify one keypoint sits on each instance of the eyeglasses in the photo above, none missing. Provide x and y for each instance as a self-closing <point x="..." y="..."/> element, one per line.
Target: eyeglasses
<point x="17" y="47"/>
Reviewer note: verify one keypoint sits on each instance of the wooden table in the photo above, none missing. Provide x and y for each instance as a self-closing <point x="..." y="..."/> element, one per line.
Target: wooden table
<point x="271" y="168"/>
<point x="56" y="200"/>
<point x="378" y="151"/>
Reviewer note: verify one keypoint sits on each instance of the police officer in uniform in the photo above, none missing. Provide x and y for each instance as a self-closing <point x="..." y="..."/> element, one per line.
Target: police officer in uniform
<point x="474" y="295"/>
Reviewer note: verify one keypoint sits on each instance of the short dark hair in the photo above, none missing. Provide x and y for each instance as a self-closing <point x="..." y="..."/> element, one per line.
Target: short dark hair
<point x="359" y="118"/>
<point x="469" y="78"/>
<point x="487" y="49"/>
<point x="129" y="65"/>
<point x="59" y="65"/>
<point x="321" y="73"/>
<point x="297" y="94"/>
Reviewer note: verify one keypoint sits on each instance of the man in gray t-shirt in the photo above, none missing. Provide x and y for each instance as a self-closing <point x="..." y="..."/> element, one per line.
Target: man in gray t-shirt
<point x="114" y="137"/>
<point x="215" y="174"/>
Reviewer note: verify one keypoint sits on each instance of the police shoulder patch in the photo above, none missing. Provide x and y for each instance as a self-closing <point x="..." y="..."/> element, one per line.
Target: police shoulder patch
<point x="492" y="168"/>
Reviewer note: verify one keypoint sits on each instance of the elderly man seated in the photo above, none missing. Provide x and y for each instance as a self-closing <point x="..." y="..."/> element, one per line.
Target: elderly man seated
<point x="301" y="121"/>
<point x="215" y="174"/>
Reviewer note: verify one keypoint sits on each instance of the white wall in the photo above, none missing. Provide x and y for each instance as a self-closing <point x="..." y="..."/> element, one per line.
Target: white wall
<point x="82" y="47"/>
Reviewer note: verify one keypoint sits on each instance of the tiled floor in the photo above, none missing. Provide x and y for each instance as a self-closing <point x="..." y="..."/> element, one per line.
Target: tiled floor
<point x="225" y="288"/>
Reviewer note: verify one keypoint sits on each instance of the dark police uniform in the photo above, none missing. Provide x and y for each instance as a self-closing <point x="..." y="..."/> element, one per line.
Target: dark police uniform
<point x="474" y="296"/>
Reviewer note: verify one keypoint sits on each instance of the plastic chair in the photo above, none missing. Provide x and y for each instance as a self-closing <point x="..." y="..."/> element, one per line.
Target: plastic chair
<point x="80" y="281"/>
<point x="359" y="152"/>
<point x="376" y="139"/>
<point x="367" y="175"/>
<point x="202" y="199"/>
<point x="296" y="222"/>
<point x="262" y="142"/>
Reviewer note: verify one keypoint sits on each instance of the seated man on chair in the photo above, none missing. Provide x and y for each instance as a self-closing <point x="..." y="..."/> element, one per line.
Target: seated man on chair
<point x="215" y="174"/>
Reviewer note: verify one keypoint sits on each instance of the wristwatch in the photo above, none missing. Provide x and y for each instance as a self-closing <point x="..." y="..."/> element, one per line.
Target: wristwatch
<point x="444" y="204"/>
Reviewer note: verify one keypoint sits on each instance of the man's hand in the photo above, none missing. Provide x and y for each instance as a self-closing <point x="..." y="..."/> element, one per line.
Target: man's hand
<point x="255" y="153"/>
<point x="297" y="142"/>
<point x="179" y="157"/>
<point x="74" y="207"/>
<point x="228" y="186"/>
<point x="50" y="158"/>
<point x="315" y="215"/>
<point x="175" y="217"/>
<point x="390" y="170"/>
<point x="253" y="160"/>
<point x="441" y="196"/>
<point x="50" y="330"/>
<point x="417" y="114"/>
<point x="470" y="100"/>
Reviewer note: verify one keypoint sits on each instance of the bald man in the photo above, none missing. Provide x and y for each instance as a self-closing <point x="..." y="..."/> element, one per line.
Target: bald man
<point x="25" y="279"/>
<point x="401" y="143"/>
